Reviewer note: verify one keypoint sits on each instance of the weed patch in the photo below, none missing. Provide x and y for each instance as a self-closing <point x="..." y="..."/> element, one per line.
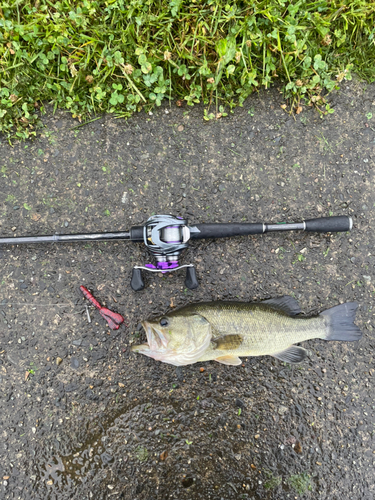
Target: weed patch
<point x="272" y="481"/>
<point x="141" y="453"/>
<point x="122" y="56"/>
<point x="300" y="483"/>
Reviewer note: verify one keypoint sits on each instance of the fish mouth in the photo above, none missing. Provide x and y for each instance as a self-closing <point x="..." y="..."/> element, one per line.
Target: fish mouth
<point x="144" y="348"/>
<point x="156" y="340"/>
<point x="149" y="332"/>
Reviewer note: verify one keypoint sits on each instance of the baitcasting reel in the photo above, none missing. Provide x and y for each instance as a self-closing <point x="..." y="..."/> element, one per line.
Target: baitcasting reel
<point x="165" y="236"/>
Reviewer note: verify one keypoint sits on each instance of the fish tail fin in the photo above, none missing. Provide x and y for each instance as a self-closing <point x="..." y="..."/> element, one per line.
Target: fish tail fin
<point x="340" y="322"/>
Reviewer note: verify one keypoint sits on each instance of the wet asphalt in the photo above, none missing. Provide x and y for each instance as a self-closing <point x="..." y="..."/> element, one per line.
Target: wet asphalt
<point x="81" y="416"/>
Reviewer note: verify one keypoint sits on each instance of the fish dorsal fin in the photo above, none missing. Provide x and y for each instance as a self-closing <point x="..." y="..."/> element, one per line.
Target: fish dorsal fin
<point x="287" y="304"/>
<point x="292" y="354"/>
<point x="227" y="342"/>
<point x="229" y="360"/>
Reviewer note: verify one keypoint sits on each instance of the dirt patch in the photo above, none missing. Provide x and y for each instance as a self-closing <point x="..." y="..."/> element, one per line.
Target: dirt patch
<point x="101" y="422"/>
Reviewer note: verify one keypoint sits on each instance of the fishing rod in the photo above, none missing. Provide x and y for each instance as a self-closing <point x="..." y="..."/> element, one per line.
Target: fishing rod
<point x="167" y="236"/>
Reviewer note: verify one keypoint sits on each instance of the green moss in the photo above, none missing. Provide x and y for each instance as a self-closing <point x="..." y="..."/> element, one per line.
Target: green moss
<point x="300" y="483"/>
<point x="272" y="481"/>
<point x="141" y="453"/>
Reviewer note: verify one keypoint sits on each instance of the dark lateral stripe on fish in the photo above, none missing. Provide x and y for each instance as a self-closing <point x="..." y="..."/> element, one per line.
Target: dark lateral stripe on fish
<point x="227" y="342"/>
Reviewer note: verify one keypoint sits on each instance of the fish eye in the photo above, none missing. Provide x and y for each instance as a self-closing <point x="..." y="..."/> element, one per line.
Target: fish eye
<point x="164" y="322"/>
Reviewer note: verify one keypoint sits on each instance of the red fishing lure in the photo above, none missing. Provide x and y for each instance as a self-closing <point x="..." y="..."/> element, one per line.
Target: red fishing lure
<point x="113" y="319"/>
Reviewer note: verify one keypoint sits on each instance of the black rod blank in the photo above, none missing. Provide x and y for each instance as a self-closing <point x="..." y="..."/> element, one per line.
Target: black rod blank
<point x="66" y="238"/>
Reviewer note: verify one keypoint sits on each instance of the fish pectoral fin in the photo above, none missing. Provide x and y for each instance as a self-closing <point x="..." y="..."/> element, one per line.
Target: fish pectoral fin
<point x="227" y="342"/>
<point x="286" y="303"/>
<point x="229" y="360"/>
<point x="292" y="354"/>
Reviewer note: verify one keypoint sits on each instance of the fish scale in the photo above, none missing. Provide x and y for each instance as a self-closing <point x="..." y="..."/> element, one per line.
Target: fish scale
<point x="263" y="329"/>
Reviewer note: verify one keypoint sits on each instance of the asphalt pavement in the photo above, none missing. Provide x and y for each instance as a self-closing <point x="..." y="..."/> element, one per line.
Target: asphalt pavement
<point x="81" y="416"/>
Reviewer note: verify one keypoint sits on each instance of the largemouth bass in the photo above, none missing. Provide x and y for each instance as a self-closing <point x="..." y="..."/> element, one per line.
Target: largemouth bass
<point x="225" y="331"/>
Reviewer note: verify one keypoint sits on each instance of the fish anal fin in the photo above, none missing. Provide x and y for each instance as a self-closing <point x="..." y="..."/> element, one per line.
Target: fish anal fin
<point x="229" y="360"/>
<point x="287" y="304"/>
<point x="293" y="354"/>
<point x="227" y="342"/>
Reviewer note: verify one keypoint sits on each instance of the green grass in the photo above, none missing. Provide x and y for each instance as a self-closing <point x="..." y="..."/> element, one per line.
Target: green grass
<point x="141" y="453"/>
<point x="123" y="56"/>
<point x="300" y="483"/>
<point x="272" y="481"/>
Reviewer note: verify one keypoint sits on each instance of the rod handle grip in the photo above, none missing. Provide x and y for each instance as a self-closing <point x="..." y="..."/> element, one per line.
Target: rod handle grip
<point x="227" y="230"/>
<point x="340" y="223"/>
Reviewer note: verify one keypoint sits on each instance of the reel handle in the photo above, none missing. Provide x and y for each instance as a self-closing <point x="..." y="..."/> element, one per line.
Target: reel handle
<point x="191" y="281"/>
<point x="137" y="282"/>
